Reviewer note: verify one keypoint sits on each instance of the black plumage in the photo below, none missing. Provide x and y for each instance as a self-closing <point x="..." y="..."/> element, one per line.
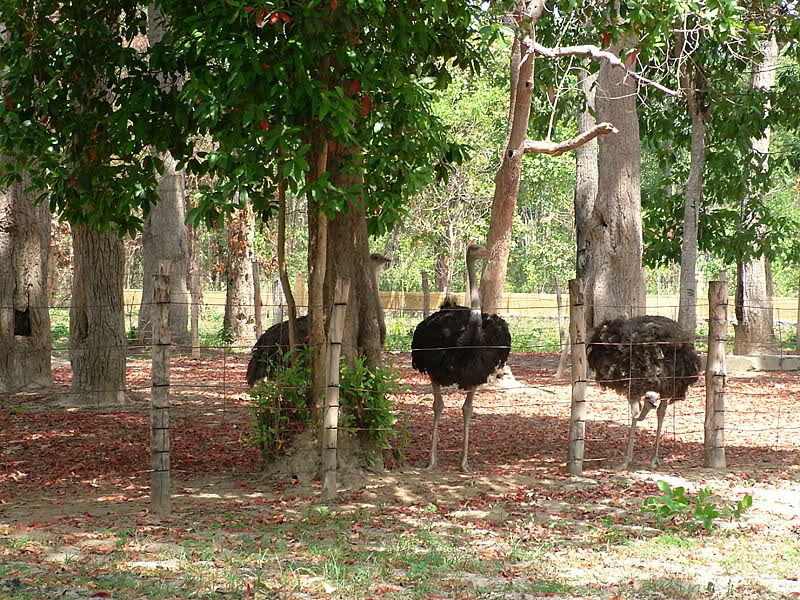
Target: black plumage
<point x="460" y="346"/>
<point x="450" y="351"/>
<point x="271" y="348"/>
<point x="650" y="360"/>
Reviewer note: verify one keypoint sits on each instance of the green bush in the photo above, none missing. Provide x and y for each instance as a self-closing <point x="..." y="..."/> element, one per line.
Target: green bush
<point x="366" y="402"/>
<point x="280" y="407"/>
<point x="682" y="511"/>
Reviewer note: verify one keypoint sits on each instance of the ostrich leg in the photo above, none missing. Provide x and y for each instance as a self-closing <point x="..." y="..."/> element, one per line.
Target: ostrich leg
<point x="466" y="410"/>
<point x="660" y="414"/>
<point x="438" y="406"/>
<point x="639" y="411"/>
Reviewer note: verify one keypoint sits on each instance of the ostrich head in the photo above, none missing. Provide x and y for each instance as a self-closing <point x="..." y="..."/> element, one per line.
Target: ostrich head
<point x="379" y="261"/>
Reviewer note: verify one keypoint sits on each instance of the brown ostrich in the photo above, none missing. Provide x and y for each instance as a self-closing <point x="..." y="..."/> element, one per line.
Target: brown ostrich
<point x="650" y="360"/>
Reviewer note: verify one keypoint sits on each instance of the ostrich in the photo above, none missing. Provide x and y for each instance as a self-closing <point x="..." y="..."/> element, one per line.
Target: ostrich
<point x="273" y="344"/>
<point x="646" y="359"/>
<point x="460" y="345"/>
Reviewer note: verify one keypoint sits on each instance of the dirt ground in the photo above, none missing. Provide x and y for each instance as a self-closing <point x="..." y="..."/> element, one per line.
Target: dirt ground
<point x="71" y="480"/>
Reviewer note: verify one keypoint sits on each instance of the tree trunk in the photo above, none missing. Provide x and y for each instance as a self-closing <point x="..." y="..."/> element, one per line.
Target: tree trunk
<point x="24" y="307"/>
<point x="240" y="314"/>
<point x="614" y="275"/>
<point x="506" y="190"/>
<point x="317" y="268"/>
<point x="754" y="329"/>
<point x="348" y="258"/>
<point x="585" y="173"/>
<point x="195" y="291"/>
<point x="259" y="328"/>
<point x="97" y="319"/>
<point x="164" y="238"/>
<point x="687" y="304"/>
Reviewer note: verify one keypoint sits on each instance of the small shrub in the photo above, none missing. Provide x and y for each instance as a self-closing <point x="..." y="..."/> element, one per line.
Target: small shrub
<point x="280" y="406"/>
<point x="365" y="400"/>
<point x="675" y="507"/>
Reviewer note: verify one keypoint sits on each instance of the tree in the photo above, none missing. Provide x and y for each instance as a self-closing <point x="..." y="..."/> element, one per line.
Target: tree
<point x="754" y="327"/>
<point x="165" y="236"/>
<point x="614" y="274"/>
<point x="239" y="319"/>
<point x="83" y="119"/>
<point x="96" y="319"/>
<point x="24" y="312"/>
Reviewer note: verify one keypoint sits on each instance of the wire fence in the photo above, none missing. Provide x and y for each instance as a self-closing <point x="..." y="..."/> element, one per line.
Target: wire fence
<point x="211" y="388"/>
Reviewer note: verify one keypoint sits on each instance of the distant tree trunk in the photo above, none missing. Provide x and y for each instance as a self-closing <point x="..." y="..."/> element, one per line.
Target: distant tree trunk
<point x="24" y="308"/>
<point x="687" y="304"/>
<point x="164" y="237"/>
<point x="240" y="314"/>
<point x="259" y="328"/>
<point x="754" y="329"/>
<point x="59" y="260"/>
<point x="97" y="319"/>
<point x="506" y="190"/>
<point x="426" y="297"/>
<point x="585" y="173"/>
<point x="195" y="291"/>
<point x="615" y="283"/>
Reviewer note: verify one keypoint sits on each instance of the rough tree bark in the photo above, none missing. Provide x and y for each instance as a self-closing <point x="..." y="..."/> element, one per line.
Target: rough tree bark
<point x="165" y="237"/>
<point x="754" y="329"/>
<point x="506" y="191"/>
<point x="614" y="275"/>
<point x="97" y="319"/>
<point x="240" y="314"/>
<point x="585" y="173"/>
<point x="694" y="88"/>
<point x="348" y="258"/>
<point x="24" y="315"/>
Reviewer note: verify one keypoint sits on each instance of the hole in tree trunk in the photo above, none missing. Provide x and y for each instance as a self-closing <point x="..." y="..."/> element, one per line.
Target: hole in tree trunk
<point x="22" y="322"/>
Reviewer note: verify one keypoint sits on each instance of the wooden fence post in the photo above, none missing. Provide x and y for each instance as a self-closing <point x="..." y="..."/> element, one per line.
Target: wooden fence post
<point x="330" y="431"/>
<point x="714" y="443"/>
<point x="159" y="397"/>
<point x="426" y="296"/>
<point x="577" y="418"/>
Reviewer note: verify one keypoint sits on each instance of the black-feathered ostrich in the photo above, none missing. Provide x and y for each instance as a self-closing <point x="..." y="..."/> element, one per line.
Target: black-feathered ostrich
<point x="650" y="360"/>
<point x="460" y="345"/>
<point x="271" y="347"/>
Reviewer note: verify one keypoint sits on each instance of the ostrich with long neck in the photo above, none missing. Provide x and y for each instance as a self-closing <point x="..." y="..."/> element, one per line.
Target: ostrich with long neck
<point x="460" y="346"/>
<point x="271" y="348"/>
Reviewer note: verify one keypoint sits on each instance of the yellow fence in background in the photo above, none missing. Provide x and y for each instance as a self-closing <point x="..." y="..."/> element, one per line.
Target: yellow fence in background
<point x="526" y="305"/>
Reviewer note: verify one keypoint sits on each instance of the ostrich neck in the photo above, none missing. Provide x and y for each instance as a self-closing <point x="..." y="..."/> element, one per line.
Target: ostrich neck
<point x="472" y="286"/>
<point x="376" y="278"/>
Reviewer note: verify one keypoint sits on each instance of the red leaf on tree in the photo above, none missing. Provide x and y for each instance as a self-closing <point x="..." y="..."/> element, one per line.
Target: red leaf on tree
<point x="606" y="39"/>
<point x="334" y="5"/>
<point x="366" y="104"/>
<point x="285" y="17"/>
<point x="631" y="58"/>
<point x="263" y="124"/>
<point x="274" y="18"/>
<point x="260" y="14"/>
<point x="355" y="86"/>
<point x="248" y="9"/>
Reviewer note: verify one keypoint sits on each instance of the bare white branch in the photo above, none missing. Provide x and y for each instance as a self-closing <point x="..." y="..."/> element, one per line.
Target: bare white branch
<point x="597" y="54"/>
<point x="558" y="148"/>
